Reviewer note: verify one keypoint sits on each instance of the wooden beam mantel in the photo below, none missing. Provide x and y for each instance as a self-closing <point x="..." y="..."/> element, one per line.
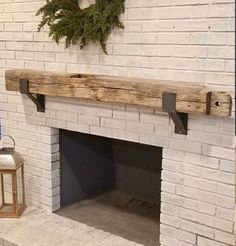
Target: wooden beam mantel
<point x="190" y="98"/>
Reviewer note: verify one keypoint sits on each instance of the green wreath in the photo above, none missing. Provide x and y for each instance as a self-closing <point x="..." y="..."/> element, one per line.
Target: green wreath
<point x="93" y="24"/>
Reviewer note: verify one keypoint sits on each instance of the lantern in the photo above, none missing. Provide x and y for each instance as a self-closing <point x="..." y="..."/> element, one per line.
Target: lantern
<point x="12" y="196"/>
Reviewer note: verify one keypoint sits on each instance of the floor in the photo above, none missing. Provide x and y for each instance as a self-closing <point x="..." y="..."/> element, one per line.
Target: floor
<point x="119" y="214"/>
<point x="38" y="228"/>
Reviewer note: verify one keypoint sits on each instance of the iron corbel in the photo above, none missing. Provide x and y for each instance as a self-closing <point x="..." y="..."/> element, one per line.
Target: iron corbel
<point x="39" y="100"/>
<point x="208" y="103"/>
<point x="180" y="119"/>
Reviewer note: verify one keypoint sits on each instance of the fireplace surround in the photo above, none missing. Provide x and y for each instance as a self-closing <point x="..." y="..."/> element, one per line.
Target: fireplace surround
<point x="166" y="40"/>
<point x="197" y="188"/>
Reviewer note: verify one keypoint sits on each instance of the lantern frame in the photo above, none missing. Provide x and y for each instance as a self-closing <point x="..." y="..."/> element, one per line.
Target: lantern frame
<point x="17" y="207"/>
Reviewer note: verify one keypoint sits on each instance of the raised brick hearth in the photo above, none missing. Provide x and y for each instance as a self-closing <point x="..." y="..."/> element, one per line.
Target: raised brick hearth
<point x="173" y="40"/>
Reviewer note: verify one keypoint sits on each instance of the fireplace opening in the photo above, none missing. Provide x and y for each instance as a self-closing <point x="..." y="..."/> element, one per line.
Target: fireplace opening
<point x="111" y="185"/>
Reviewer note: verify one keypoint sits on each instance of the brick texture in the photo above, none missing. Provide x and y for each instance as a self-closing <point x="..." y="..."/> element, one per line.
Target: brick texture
<point x="184" y="40"/>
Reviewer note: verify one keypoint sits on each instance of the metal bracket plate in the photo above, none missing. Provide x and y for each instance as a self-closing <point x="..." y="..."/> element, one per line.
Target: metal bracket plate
<point x="180" y="119"/>
<point x="208" y="103"/>
<point x="39" y="100"/>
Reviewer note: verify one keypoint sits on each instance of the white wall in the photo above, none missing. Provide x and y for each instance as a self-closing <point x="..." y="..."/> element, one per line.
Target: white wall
<point x="184" y="40"/>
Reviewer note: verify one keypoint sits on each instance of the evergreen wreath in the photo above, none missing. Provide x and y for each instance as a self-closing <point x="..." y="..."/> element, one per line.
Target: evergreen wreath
<point x="93" y="24"/>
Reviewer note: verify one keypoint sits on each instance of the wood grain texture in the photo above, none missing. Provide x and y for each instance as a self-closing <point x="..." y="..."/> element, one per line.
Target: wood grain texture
<point x="191" y="98"/>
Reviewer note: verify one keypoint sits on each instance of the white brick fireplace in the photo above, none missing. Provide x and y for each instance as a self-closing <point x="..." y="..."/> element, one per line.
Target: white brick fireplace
<point x="172" y="40"/>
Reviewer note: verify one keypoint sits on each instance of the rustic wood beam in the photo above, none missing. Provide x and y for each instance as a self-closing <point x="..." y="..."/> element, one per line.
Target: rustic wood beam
<point x="191" y="98"/>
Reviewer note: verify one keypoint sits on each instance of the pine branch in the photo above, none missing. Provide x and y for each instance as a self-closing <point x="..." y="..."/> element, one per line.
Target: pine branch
<point x="81" y="26"/>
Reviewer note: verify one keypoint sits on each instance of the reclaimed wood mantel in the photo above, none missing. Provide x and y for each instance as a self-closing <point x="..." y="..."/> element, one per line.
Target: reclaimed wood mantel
<point x="190" y="98"/>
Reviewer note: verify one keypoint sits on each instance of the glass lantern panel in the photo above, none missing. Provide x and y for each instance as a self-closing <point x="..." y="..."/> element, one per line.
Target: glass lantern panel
<point x="19" y="186"/>
<point x="7" y="205"/>
<point x="1" y="190"/>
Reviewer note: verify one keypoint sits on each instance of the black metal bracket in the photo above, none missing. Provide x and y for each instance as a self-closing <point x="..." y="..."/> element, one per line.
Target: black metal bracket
<point x="208" y="103"/>
<point x="180" y="119"/>
<point x="39" y="100"/>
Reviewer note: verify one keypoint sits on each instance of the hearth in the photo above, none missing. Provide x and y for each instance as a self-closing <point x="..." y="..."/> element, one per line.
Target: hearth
<point x="111" y="185"/>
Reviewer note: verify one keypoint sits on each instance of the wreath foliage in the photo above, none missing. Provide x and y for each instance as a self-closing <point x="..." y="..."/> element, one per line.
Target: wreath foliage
<point x="93" y="24"/>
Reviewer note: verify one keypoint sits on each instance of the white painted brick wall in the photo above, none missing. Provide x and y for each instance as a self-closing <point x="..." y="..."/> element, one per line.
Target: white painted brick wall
<point x="184" y="40"/>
